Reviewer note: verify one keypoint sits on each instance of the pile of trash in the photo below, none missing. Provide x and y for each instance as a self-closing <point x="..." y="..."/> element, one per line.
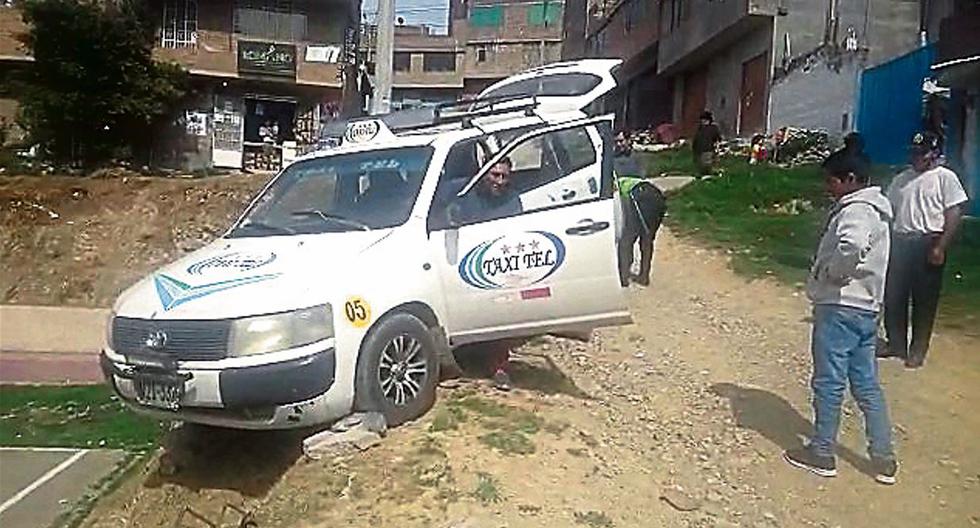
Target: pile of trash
<point x="799" y="146"/>
<point x="664" y="136"/>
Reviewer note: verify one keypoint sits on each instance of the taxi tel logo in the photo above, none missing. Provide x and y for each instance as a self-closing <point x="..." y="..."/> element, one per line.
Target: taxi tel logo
<point x="513" y="261"/>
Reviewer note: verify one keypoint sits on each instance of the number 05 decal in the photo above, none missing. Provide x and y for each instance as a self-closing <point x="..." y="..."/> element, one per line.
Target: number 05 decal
<point x="357" y="311"/>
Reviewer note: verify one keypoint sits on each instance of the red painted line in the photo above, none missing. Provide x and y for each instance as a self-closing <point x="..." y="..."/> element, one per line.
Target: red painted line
<point x="49" y="368"/>
<point x="536" y="293"/>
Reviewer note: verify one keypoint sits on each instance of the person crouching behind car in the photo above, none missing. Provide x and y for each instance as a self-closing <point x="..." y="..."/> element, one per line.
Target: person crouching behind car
<point x="846" y="287"/>
<point x="644" y="207"/>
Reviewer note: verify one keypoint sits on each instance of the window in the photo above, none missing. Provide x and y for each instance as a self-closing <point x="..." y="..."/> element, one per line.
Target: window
<point x="481" y="54"/>
<point x="549" y="170"/>
<point x="559" y="84"/>
<point x="347" y="192"/>
<point x="487" y="16"/>
<point x="544" y="14"/>
<point x="439" y="62"/>
<point x="179" y="28"/>
<point x="283" y="20"/>
<point x="402" y="61"/>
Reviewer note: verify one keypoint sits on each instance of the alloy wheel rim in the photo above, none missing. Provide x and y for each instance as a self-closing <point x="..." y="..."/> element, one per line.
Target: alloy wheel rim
<point x="402" y="370"/>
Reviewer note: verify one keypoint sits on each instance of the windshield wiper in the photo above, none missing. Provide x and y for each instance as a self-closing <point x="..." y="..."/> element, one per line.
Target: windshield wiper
<point x="265" y="227"/>
<point x="334" y="218"/>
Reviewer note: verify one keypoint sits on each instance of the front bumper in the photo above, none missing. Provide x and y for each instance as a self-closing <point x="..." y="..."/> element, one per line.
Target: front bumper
<point x="292" y="392"/>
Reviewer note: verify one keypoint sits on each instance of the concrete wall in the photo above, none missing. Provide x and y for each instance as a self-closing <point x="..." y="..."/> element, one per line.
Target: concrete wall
<point x="724" y="81"/>
<point x="887" y="28"/>
<point x="629" y="29"/>
<point x="815" y="85"/>
<point x="702" y="21"/>
<point x="821" y="97"/>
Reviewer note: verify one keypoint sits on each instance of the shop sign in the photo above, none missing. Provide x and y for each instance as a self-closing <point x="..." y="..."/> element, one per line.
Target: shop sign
<point x="267" y="58"/>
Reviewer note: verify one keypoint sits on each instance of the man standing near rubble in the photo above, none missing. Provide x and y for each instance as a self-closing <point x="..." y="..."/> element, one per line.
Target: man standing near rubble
<point x="928" y="203"/>
<point x="705" y="141"/>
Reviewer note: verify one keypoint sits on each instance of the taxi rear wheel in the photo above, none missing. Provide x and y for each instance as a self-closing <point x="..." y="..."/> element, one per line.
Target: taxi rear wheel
<point x="397" y="370"/>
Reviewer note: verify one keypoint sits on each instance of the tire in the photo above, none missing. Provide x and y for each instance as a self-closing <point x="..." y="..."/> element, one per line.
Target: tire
<point x="385" y="379"/>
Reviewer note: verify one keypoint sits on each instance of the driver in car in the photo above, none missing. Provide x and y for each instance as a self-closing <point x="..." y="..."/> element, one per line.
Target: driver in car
<point x="493" y="197"/>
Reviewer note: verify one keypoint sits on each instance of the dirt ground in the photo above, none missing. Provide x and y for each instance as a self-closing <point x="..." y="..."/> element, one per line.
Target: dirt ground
<point x="676" y="421"/>
<point x="81" y="241"/>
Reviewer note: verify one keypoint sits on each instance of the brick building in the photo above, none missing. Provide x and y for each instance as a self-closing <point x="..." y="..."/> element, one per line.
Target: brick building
<point x="763" y="64"/>
<point x="255" y="66"/>
<point x="628" y="30"/>
<point x="487" y="41"/>
<point x="756" y="64"/>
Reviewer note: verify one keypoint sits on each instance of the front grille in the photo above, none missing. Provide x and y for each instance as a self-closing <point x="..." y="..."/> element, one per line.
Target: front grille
<point x="188" y="340"/>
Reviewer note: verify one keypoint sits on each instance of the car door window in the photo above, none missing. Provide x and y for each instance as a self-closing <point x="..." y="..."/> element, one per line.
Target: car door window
<point x="551" y="169"/>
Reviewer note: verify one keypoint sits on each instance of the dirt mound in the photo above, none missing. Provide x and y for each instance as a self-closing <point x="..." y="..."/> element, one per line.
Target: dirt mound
<point x="81" y="241"/>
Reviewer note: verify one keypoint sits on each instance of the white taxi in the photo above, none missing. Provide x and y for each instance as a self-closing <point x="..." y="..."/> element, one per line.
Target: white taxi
<point x="353" y="274"/>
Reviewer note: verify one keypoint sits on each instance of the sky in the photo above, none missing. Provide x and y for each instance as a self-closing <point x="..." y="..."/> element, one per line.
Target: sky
<point x="430" y="12"/>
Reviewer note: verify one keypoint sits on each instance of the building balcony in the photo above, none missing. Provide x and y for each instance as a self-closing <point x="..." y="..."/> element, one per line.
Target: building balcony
<point x="690" y="31"/>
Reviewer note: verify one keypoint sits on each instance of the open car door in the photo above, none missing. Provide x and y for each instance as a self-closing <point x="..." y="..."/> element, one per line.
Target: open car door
<point x="545" y="266"/>
<point x="561" y="86"/>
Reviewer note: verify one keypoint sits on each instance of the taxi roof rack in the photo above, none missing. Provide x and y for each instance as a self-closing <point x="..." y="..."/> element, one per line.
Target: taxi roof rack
<point x="463" y="112"/>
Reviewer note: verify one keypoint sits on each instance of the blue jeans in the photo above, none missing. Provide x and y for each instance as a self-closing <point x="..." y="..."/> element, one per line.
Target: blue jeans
<point x="844" y="351"/>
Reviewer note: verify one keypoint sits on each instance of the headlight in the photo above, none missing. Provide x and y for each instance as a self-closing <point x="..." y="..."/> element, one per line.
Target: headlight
<point x="271" y="333"/>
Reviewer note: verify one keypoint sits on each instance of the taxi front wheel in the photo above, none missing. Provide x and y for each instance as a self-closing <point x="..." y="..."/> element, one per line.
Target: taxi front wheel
<point x="397" y="370"/>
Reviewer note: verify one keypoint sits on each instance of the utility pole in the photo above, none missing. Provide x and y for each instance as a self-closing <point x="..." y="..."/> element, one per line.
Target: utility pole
<point x="381" y="102"/>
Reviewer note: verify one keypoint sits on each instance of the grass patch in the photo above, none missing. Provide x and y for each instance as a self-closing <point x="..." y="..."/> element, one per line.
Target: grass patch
<point x="508" y="429"/>
<point x="593" y="519"/>
<point x="73" y="416"/>
<point x="769" y="218"/>
<point x="447" y="419"/>
<point x="487" y="490"/>
<point x="508" y="442"/>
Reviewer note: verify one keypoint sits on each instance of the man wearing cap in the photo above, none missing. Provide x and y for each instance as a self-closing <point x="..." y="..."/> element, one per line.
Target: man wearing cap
<point x="928" y="203"/>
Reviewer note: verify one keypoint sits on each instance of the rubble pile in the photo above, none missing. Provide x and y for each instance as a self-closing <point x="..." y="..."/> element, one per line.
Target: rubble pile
<point x="798" y="146"/>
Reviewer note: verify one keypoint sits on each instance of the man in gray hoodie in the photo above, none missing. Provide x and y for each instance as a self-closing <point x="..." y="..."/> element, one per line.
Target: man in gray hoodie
<point x="846" y="287"/>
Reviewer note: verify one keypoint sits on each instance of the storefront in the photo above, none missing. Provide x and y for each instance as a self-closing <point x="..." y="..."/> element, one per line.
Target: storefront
<point x="257" y="120"/>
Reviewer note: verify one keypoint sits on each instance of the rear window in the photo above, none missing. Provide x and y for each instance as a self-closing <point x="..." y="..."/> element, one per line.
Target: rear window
<point x="554" y="85"/>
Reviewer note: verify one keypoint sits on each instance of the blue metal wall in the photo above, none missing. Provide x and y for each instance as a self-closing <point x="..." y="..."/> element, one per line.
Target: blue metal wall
<point x="890" y="105"/>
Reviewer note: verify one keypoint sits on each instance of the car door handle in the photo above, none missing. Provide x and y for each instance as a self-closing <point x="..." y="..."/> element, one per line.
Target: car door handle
<point x="587" y="227"/>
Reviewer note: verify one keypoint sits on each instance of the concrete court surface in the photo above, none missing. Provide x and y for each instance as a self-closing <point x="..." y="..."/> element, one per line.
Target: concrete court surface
<point x="37" y="485"/>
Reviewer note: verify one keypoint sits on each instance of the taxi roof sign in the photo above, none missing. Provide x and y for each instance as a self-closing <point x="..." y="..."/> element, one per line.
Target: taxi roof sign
<point x="366" y="130"/>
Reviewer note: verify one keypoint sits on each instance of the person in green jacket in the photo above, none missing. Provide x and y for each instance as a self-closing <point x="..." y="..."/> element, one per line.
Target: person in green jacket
<point x="644" y="207"/>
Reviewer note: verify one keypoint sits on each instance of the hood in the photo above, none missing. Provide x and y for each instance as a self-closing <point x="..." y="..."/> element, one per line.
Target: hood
<point x="871" y="196"/>
<point x="247" y="276"/>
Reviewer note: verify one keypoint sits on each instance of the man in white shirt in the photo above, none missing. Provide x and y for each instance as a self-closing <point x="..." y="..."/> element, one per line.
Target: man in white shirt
<point x="927" y="200"/>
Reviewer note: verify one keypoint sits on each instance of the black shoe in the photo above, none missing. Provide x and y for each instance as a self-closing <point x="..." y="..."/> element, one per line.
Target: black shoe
<point x="914" y="361"/>
<point x="642" y="280"/>
<point x="885" y="471"/>
<point x="824" y="466"/>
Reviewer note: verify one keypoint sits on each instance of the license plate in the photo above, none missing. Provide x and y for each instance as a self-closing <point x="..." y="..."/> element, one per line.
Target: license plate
<point x="164" y="393"/>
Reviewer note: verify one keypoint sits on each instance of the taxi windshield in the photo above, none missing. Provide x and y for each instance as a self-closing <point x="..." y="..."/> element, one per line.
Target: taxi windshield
<point x="348" y="192"/>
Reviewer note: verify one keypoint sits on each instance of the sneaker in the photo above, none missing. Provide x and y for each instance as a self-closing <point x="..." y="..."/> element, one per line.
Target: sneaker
<point x="885" y="471"/>
<point x="501" y="381"/>
<point x="824" y="466"/>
